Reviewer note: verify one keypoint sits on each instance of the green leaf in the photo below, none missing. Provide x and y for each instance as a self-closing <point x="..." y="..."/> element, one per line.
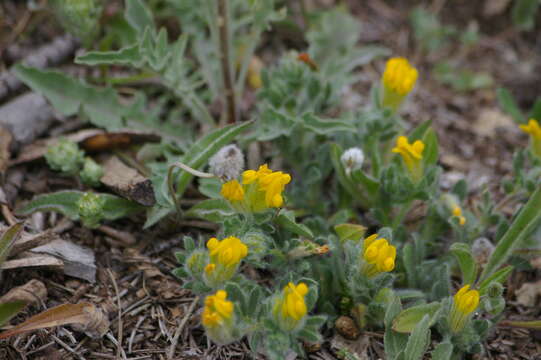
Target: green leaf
<point x="527" y="220"/>
<point x="394" y="343"/>
<point x="442" y="351"/>
<point x="116" y="207"/>
<point x="69" y="95"/>
<point x="138" y="15"/>
<point x="419" y="339"/>
<point x="326" y="126"/>
<point x="309" y="334"/>
<point x="509" y="105"/>
<point x="286" y="218"/>
<point x="214" y="210"/>
<point x="407" y="320"/>
<point x="129" y="55"/>
<point x="273" y="124"/>
<point x="9" y="310"/>
<point x="347" y="232"/>
<point x="524" y="13"/>
<point x="463" y="255"/>
<point x="410" y="263"/>
<point x="393" y="309"/>
<point x="64" y="202"/>
<point x="431" y="152"/>
<point x="499" y="276"/>
<point x="7" y="240"/>
<point x="419" y="132"/>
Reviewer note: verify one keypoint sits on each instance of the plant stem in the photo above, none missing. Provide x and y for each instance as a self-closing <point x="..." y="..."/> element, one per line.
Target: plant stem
<point x="225" y="57"/>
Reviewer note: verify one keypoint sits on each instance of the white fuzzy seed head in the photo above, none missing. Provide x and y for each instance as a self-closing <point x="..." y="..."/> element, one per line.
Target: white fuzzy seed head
<point x="481" y="250"/>
<point x="352" y="159"/>
<point x="227" y="163"/>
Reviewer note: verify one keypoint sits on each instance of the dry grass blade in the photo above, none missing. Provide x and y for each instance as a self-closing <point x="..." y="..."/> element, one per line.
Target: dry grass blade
<point x="86" y="315"/>
<point x="8" y="239"/>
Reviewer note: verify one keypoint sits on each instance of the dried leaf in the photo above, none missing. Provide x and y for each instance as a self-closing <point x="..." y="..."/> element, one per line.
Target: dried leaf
<point x="85" y="316"/>
<point x="5" y="143"/>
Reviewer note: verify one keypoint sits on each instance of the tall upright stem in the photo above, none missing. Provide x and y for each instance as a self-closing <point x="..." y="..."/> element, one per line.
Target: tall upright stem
<point x="225" y="56"/>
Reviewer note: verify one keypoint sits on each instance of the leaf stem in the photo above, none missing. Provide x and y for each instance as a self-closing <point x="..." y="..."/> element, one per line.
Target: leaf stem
<point x="225" y="57"/>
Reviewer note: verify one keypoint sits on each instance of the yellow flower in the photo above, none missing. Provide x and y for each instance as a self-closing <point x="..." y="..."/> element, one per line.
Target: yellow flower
<point x="217" y="309"/>
<point x="378" y="256"/>
<point x="412" y="154"/>
<point x="261" y="189"/>
<point x="290" y="307"/>
<point x="398" y="80"/>
<point x="457" y="212"/>
<point x="465" y="302"/>
<point x="534" y="130"/>
<point x="225" y="257"/>
<point x="218" y="318"/>
<point x="232" y="191"/>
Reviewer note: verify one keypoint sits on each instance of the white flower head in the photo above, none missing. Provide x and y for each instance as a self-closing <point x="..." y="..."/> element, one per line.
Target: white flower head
<point x="227" y="163"/>
<point x="352" y="159"/>
<point x="482" y="250"/>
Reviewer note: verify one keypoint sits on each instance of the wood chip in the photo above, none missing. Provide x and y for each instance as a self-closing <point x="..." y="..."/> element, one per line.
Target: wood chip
<point x="33" y="261"/>
<point x="78" y="261"/>
<point x="127" y="182"/>
<point x="5" y="143"/>
<point x="33" y="291"/>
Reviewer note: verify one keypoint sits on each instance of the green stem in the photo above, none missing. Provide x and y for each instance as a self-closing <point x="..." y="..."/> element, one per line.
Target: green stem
<point x="402" y="214"/>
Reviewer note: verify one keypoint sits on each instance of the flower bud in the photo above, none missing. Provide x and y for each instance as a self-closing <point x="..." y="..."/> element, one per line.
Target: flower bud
<point x="482" y="250"/>
<point x="65" y="157"/>
<point x="494" y="305"/>
<point x="196" y="262"/>
<point x="352" y="159"/>
<point x="90" y="207"/>
<point x="227" y="163"/>
<point x="91" y="173"/>
<point x="495" y="289"/>
<point x="464" y="304"/>
<point x="289" y="309"/>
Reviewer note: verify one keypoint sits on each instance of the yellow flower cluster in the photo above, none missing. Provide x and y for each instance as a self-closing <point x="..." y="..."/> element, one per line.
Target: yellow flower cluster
<point x="261" y="189"/>
<point x="218" y="318"/>
<point x="534" y="130"/>
<point x="217" y="309"/>
<point x="412" y="154"/>
<point x="378" y="256"/>
<point x="290" y="307"/>
<point x="465" y="302"/>
<point x="225" y="257"/>
<point x="457" y="212"/>
<point x="398" y="80"/>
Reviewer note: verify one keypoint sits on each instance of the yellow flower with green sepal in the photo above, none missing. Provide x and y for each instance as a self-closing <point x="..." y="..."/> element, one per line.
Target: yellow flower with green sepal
<point x="464" y="304"/>
<point x="260" y="190"/>
<point x="534" y="130"/>
<point x="412" y="155"/>
<point x="225" y="257"/>
<point x="378" y="256"/>
<point x="290" y="308"/>
<point x="218" y="317"/>
<point x="398" y="81"/>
